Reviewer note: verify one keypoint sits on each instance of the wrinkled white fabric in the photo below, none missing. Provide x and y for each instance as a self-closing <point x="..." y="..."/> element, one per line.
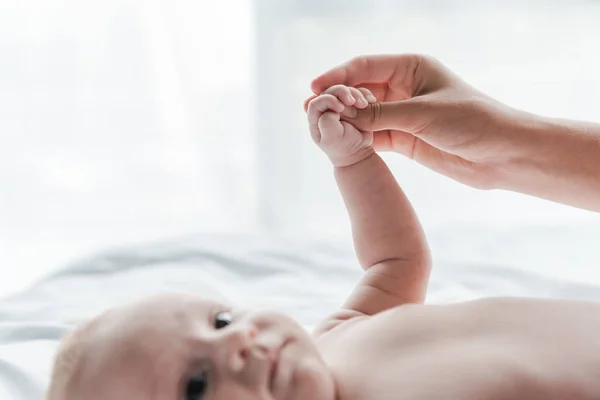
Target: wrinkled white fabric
<point x="306" y="278"/>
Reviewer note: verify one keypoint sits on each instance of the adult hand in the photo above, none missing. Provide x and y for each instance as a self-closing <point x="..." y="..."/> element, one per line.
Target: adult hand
<point x="429" y="114"/>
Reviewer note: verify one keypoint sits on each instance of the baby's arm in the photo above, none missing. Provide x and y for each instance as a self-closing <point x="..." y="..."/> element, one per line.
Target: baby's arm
<point x="388" y="238"/>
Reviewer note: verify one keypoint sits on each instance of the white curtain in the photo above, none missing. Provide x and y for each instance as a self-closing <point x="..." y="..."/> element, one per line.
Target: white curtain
<point x="128" y="121"/>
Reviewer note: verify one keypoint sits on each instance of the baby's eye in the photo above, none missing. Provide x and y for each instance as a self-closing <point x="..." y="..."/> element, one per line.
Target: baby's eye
<point x="222" y="320"/>
<point x="195" y="387"/>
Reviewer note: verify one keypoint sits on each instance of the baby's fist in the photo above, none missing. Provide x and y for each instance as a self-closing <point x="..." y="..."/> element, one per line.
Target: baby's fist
<point x="341" y="141"/>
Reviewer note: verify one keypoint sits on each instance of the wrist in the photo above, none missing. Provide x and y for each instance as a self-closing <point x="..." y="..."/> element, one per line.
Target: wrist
<point x="355" y="158"/>
<point x="532" y="142"/>
<point x="554" y="157"/>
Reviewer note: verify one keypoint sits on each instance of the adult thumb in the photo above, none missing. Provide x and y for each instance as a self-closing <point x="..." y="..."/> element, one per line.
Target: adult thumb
<point x="405" y="115"/>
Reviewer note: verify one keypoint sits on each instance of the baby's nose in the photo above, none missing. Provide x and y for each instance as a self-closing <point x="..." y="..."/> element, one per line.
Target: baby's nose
<point x="236" y="343"/>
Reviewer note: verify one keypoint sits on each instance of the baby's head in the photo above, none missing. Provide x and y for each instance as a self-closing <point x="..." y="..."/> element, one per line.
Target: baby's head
<point x="184" y="347"/>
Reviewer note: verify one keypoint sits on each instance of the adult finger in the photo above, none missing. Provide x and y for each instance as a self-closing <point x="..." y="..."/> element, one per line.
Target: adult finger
<point x="367" y="69"/>
<point x="406" y="115"/>
<point x="361" y="100"/>
<point x="343" y="93"/>
<point x="367" y="94"/>
<point x="410" y="73"/>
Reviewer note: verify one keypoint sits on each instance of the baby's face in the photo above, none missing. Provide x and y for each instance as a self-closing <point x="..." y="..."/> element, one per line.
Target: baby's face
<point x="183" y="347"/>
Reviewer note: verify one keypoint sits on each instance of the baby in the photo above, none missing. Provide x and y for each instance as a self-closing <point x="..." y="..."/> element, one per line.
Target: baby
<point x="383" y="344"/>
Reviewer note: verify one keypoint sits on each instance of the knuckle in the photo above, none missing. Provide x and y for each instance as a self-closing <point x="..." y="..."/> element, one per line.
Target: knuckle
<point x="314" y="102"/>
<point x="426" y="58"/>
<point x="320" y="103"/>
<point x="431" y="64"/>
<point x="336" y="89"/>
<point x="327" y="98"/>
<point x="420" y="59"/>
<point x="359" y="62"/>
<point x="374" y="113"/>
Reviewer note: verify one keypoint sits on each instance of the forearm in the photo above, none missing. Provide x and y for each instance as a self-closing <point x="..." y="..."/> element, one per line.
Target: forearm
<point x="384" y="225"/>
<point x="561" y="163"/>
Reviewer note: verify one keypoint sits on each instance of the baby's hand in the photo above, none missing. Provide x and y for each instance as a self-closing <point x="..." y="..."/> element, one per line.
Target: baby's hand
<point x="341" y="141"/>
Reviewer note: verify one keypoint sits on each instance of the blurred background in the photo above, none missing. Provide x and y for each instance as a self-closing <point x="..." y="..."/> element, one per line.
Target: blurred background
<point x="126" y="122"/>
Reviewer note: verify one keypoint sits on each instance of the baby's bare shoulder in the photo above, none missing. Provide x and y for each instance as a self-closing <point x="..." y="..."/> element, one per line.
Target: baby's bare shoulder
<point x="335" y="320"/>
<point x="484" y="348"/>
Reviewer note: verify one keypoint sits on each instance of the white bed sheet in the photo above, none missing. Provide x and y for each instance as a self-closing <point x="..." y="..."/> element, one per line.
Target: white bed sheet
<point x="306" y="278"/>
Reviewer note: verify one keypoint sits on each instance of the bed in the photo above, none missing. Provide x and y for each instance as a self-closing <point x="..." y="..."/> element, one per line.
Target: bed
<point x="305" y="277"/>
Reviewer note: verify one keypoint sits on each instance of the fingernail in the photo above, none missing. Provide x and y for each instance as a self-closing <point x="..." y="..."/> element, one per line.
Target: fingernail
<point x="371" y="98"/>
<point x="351" y="98"/>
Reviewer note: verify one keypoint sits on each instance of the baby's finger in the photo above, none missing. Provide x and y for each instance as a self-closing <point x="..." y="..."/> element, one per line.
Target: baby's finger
<point x="315" y="133"/>
<point x="361" y="101"/>
<point x="330" y="124"/>
<point x="343" y="93"/>
<point x="307" y="101"/>
<point x="368" y="95"/>
<point x="323" y="103"/>
<point x="349" y="113"/>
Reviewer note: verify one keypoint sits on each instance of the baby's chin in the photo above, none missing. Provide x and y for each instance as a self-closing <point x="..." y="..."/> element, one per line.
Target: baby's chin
<point x="303" y="373"/>
<point x="314" y="380"/>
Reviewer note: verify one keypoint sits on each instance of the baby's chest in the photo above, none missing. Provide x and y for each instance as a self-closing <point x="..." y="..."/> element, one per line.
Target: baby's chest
<point x="468" y="370"/>
<point x="410" y="366"/>
<point x="468" y="353"/>
<point x="438" y="375"/>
